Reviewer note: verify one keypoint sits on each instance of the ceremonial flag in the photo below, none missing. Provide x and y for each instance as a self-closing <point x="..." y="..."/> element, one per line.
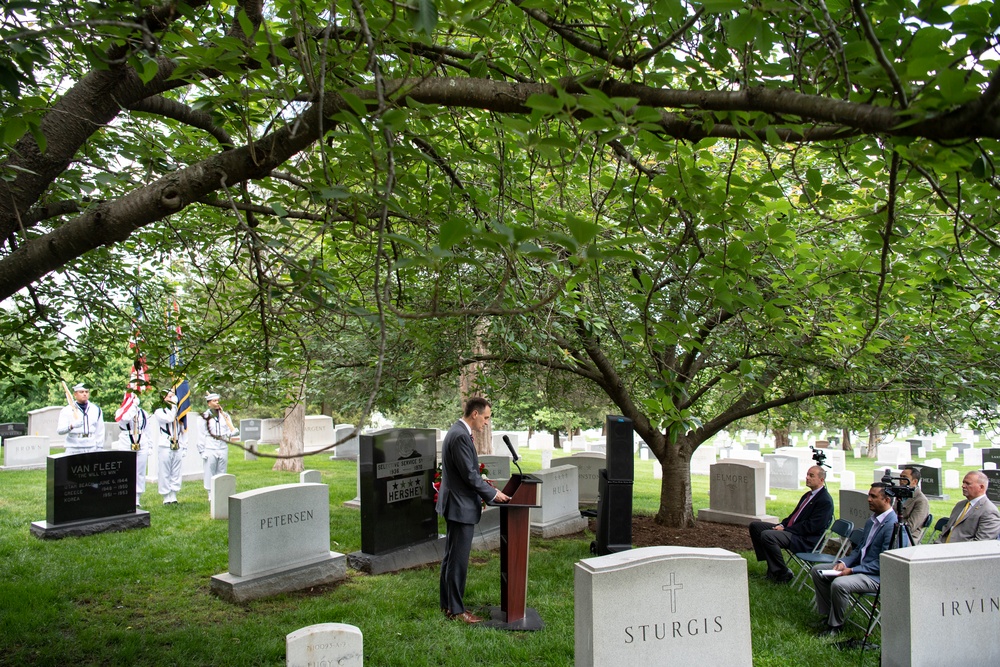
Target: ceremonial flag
<point x="139" y="380"/>
<point x="181" y="388"/>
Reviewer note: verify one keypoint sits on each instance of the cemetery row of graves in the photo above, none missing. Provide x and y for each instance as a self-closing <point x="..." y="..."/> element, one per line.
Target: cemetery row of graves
<point x="196" y="586"/>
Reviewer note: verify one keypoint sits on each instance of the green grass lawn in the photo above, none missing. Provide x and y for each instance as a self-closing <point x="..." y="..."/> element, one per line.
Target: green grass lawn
<point x="142" y="597"/>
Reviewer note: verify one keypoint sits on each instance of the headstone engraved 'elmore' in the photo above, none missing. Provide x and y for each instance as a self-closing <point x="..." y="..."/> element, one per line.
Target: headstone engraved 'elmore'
<point x="945" y="605"/>
<point x="89" y="493"/>
<point x="325" y="645"/>
<point x="279" y="541"/>
<point x="656" y="606"/>
<point x="736" y="493"/>
<point x="398" y="520"/>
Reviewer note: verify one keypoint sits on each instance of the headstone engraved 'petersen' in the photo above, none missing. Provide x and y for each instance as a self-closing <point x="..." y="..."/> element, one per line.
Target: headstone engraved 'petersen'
<point x="279" y="541"/>
<point x="662" y="605"/>
<point x="89" y="493"/>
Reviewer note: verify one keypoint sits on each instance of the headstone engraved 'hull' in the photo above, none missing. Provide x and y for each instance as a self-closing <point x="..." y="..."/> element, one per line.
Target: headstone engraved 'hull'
<point x="662" y="605"/>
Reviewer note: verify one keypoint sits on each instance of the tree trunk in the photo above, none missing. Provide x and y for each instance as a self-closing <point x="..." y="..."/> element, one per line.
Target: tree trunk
<point x="874" y="437"/>
<point x="555" y="440"/>
<point x="845" y="440"/>
<point x="676" y="509"/>
<point x="781" y="437"/>
<point x="467" y="380"/>
<point x="293" y="436"/>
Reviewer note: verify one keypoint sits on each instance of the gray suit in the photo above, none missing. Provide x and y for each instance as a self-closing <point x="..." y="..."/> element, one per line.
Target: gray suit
<point x="981" y="522"/>
<point x="913" y="513"/>
<point x="460" y="503"/>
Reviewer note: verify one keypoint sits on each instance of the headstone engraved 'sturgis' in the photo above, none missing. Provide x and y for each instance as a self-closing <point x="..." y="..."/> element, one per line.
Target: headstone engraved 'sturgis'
<point x="89" y="493"/>
<point x="399" y="527"/>
<point x="736" y="493"/>
<point x="659" y="606"/>
<point x="279" y="541"/>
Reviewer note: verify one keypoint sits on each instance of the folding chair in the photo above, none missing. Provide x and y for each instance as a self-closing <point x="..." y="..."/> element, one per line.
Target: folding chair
<point x="865" y="611"/>
<point x="931" y="535"/>
<point x="927" y="522"/>
<point x="805" y="560"/>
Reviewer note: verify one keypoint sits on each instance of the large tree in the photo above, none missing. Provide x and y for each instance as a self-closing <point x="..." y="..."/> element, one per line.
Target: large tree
<point x="707" y="209"/>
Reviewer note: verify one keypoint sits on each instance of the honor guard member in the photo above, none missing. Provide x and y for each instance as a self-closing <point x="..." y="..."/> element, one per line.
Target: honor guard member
<point x="82" y="422"/>
<point x="171" y="446"/>
<point x="215" y="438"/>
<point x="137" y="434"/>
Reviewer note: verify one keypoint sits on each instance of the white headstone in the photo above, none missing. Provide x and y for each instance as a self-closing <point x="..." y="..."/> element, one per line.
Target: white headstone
<point x="25" y="452"/>
<point x="657" y="470"/>
<point x="854" y="506"/>
<point x="348" y="449"/>
<point x="746" y="455"/>
<point x="318" y="432"/>
<point x="589" y="464"/>
<point x="893" y="455"/>
<point x="972" y="457"/>
<point x="271" y="431"/>
<point x="43" y="421"/>
<point x="250" y="453"/>
<point x="786" y="471"/>
<point x="847" y="480"/>
<point x="278" y="527"/>
<point x="638" y="607"/>
<point x="223" y="486"/>
<point x="498" y="468"/>
<point x="952" y="479"/>
<point x="546" y="458"/>
<point x="951" y="455"/>
<point x="559" y="497"/>
<point x="333" y="644"/>
<point x="945" y="602"/>
<point x="310" y="477"/>
<point x="836" y="459"/>
<point x="702" y="460"/>
<point x="737" y="493"/>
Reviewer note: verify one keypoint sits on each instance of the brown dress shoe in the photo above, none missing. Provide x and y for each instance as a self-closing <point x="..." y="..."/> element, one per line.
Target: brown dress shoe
<point x="466" y="617"/>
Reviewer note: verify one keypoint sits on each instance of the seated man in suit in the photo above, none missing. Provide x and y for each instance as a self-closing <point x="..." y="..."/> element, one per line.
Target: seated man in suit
<point x="859" y="572"/>
<point x="799" y="531"/>
<point x="914" y="510"/>
<point x="976" y="517"/>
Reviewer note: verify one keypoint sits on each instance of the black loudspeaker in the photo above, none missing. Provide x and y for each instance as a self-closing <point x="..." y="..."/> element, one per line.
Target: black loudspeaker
<point x="619" y="449"/>
<point x="614" y="516"/>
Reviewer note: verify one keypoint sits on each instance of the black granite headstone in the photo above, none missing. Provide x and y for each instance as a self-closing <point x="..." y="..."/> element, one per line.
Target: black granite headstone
<point x="13" y="430"/>
<point x="397" y="493"/>
<point x="89" y="486"/>
<point x="991" y="455"/>
<point x="250" y="429"/>
<point x="930" y="479"/>
<point x="915" y="445"/>
<point x="993" y="490"/>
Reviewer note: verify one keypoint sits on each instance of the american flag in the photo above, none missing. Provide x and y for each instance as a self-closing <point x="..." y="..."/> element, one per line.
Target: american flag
<point x="139" y="380"/>
<point x="181" y="388"/>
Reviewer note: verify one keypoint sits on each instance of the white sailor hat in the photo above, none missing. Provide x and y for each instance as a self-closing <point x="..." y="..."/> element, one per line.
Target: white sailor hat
<point x="211" y="397"/>
<point x="81" y="387"/>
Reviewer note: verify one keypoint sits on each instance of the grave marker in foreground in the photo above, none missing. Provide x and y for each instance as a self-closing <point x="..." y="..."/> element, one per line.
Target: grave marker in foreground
<point x="334" y="644"/>
<point x="279" y="541"/>
<point x="662" y="605"/>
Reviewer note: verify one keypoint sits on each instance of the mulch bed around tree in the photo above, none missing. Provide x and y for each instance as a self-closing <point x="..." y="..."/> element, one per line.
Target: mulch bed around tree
<point x="647" y="533"/>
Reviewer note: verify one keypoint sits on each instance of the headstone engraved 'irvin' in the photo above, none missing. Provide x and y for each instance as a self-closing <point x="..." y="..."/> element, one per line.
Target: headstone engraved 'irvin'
<point x="638" y="607"/>
<point x="89" y="493"/>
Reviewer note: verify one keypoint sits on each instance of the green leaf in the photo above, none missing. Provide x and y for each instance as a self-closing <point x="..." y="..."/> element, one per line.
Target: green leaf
<point x="424" y="17"/>
<point x="544" y="103"/>
<point x="452" y="231"/>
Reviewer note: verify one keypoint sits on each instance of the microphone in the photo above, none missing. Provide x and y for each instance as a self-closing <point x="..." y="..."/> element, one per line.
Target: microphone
<point x="513" y="454"/>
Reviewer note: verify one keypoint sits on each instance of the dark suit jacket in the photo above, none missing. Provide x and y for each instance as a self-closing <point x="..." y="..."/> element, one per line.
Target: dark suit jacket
<point x="462" y="486"/>
<point x="981" y="522"/>
<point x="880" y="543"/>
<point x="812" y="523"/>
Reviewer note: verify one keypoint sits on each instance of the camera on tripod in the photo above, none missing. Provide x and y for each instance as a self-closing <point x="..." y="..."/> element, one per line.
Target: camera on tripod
<point x="893" y="490"/>
<point x="819" y="456"/>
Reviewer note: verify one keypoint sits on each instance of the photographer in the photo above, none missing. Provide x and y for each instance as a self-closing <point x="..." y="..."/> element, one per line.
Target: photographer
<point x="913" y="511"/>
<point x="799" y="531"/>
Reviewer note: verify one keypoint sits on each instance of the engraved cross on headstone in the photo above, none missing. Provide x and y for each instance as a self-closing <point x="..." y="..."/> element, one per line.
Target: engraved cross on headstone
<point x="672" y="587"/>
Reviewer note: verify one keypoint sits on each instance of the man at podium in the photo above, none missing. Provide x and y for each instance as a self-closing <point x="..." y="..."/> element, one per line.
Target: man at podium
<point x="459" y="502"/>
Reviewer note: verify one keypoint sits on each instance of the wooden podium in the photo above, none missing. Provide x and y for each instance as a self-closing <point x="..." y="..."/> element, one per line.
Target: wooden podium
<point x="514" y="535"/>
